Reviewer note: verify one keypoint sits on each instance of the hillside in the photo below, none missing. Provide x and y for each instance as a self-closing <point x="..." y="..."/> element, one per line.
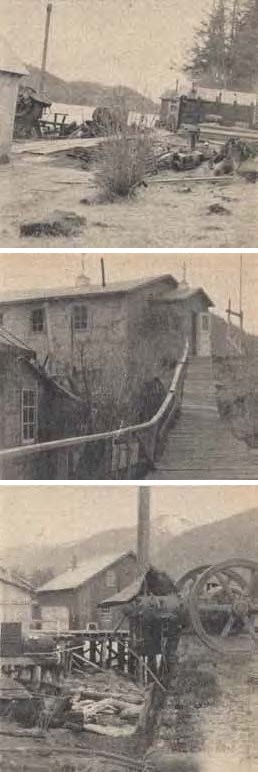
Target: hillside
<point x="234" y="536"/>
<point x="89" y="93"/>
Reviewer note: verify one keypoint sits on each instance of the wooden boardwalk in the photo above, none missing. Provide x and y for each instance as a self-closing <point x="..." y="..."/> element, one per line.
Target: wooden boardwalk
<point x="201" y="445"/>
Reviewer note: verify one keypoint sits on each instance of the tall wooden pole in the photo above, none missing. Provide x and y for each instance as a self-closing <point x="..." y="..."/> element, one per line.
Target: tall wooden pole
<point x="45" y="47"/>
<point x="143" y="528"/>
<point x="241" y="301"/>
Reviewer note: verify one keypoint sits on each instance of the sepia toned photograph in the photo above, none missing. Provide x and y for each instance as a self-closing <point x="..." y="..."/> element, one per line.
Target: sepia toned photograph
<point x="128" y="123"/>
<point x="129" y="366"/>
<point x="128" y="624"/>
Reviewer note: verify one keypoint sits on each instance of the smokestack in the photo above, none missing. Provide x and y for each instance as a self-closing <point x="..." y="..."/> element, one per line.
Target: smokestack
<point x="143" y="528"/>
<point x="103" y="278"/>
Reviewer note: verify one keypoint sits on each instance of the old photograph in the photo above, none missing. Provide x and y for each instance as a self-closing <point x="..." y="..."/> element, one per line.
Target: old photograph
<point x="129" y="628"/>
<point x="129" y="366"/>
<point x="128" y="123"/>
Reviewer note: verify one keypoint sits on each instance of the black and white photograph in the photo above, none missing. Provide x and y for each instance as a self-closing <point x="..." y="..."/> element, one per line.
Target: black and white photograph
<point x="128" y="123"/>
<point x="129" y="366"/>
<point x="129" y="628"/>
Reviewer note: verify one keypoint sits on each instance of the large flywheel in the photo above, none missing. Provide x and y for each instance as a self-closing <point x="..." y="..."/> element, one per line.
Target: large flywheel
<point x="223" y="606"/>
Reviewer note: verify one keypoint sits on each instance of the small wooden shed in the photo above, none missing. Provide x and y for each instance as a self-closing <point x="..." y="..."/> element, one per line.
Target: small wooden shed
<point x="11" y="70"/>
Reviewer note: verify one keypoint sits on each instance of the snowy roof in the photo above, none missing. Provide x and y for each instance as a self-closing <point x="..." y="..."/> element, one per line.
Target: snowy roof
<point x="75" y="577"/>
<point x="9" y="62"/>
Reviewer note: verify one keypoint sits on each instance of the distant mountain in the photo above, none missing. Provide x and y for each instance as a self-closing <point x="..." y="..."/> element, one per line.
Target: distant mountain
<point x="89" y="93"/>
<point x="235" y="536"/>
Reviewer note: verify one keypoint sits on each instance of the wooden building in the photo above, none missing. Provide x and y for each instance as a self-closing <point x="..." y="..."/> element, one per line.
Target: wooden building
<point x="15" y="600"/>
<point x="33" y="408"/>
<point x="109" y="341"/>
<point x="71" y="600"/>
<point x="199" y="105"/>
<point x="11" y="71"/>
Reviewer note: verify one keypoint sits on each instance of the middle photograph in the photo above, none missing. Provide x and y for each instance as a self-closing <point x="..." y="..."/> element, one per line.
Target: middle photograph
<point x="129" y="366"/>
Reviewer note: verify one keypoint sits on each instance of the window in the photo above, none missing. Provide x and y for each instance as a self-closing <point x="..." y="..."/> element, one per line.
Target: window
<point x="1" y="320"/>
<point x="80" y="317"/>
<point x="29" y="415"/>
<point x="110" y="578"/>
<point x="37" y="320"/>
<point x="106" y="618"/>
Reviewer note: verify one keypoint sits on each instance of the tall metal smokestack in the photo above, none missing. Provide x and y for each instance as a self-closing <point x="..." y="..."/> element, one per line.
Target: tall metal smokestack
<point x="143" y="528"/>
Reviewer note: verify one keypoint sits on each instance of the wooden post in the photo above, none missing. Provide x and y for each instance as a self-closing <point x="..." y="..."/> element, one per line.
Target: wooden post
<point x="45" y="47"/>
<point x="143" y="528"/>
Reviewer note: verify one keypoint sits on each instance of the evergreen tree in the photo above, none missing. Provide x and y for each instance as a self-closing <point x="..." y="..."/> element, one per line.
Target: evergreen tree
<point x="209" y="54"/>
<point x="244" y="51"/>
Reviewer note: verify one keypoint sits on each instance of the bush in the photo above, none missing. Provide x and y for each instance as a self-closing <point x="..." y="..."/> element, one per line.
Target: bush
<point x="124" y="163"/>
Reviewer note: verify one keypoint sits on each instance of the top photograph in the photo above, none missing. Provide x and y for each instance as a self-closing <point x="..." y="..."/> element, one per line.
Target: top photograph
<point x="129" y="124"/>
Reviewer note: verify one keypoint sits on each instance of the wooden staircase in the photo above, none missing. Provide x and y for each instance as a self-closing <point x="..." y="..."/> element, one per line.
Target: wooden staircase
<point x="201" y="444"/>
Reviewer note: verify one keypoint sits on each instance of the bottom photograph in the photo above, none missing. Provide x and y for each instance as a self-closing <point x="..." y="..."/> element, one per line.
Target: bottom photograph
<point x="129" y="627"/>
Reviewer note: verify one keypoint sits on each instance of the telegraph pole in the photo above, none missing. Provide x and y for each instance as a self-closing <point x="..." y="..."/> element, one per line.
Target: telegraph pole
<point x="45" y="48"/>
<point x="239" y="314"/>
<point x="143" y="528"/>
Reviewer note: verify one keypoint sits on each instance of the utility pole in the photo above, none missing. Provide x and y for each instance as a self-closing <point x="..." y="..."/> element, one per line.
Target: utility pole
<point x="45" y="48"/>
<point x="239" y="314"/>
<point x="143" y="528"/>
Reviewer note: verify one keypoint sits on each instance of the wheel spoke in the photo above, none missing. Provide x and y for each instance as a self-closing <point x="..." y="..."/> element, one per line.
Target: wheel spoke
<point x="225" y="584"/>
<point x="228" y="627"/>
<point x="249" y="627"/>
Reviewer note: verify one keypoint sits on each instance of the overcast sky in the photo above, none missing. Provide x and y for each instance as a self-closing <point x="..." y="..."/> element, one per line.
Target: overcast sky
<point x="57" y="513"/>
<point x="129" y="42"/>
<point x="217" y="273"/>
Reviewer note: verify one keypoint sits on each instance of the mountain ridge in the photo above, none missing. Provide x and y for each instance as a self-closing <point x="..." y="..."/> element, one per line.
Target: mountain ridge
<point x="89" y="93"/>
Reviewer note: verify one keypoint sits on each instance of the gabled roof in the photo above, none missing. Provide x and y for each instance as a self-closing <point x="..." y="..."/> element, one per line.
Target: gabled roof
<point x="7" y="339"/>
<point x="184" y="293"/>
<point x="89" y="290"/>
<point x="151" y="582"/>
<point x="75" y="577"/>
<point x="10" y="577"/>
<point x="9" y="62"/>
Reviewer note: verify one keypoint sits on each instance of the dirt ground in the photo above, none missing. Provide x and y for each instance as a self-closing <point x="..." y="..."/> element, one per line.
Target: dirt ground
<point x="161" y="215"/>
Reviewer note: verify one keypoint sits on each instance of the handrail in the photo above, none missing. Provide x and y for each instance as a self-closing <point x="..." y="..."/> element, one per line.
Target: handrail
<point x="69" y="442"/>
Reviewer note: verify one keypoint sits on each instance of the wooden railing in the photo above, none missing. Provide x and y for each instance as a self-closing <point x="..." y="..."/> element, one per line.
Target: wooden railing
<point x="126" y="453"/>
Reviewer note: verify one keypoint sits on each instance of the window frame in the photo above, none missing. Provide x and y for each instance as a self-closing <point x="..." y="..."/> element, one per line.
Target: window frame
<point x="34" y="423"/>
<point x="32" y="325"/>
<point x="111" y="584"/>
<point x="80" y="310"/>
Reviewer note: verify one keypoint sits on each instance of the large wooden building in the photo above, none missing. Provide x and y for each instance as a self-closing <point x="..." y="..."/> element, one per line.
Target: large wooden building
<point x="71" y="600"/>
<point x="15" y="599"/>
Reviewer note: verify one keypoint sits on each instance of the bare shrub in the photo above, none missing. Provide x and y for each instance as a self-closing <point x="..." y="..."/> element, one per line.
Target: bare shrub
<point x="124" y="162"/>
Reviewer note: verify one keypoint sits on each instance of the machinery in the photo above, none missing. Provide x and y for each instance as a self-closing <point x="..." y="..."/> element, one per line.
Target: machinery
<point x="218" y="603"/>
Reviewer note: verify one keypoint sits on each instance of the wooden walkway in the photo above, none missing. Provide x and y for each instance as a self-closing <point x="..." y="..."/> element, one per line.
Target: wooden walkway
<point x="201" y="445"/>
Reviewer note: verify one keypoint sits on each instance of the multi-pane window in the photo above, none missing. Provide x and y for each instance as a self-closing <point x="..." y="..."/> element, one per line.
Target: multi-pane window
<point x="80" y="317"/>
<point x="111" y="578"/>
<point x="106" y="618"/>
<point x="37" y="320"/>
<point x="29" y="415"/>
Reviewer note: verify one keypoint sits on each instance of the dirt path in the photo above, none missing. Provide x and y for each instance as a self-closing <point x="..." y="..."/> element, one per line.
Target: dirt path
<point x="160" y="216"/>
